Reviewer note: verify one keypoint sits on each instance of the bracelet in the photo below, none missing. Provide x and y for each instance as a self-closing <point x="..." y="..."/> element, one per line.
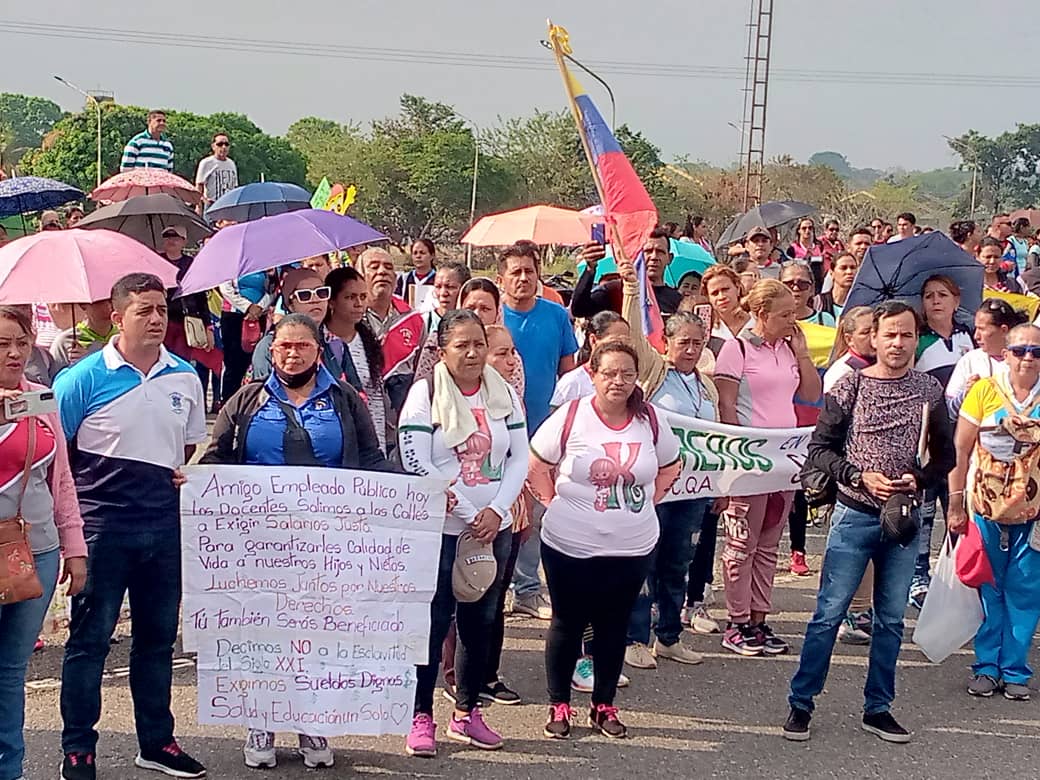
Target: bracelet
<point x="956" y="493"/>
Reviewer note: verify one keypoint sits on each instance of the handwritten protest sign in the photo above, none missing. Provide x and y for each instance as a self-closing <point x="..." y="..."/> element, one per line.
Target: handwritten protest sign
<point x="725" y="460"/>
<point x="307" y="595"/>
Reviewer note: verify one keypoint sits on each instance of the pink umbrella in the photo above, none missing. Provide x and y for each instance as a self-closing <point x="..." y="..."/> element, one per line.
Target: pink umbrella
<point x="74" y="266"/>
<point x="145" y="181"/>
<point x="540" y="224"/>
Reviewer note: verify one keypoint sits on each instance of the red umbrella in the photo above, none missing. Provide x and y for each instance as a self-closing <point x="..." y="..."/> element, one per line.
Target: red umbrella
<point x="145" y="181"/>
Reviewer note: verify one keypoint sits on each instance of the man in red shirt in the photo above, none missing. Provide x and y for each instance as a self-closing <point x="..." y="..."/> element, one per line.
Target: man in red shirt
<point x="832" y="244"/>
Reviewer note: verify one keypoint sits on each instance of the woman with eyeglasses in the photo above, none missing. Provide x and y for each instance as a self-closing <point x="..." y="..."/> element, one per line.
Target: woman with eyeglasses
<point x="942" y="343"/>
<point x="990" y="254"/>
<point x="299" y="416"/>
<point x="843" y="273"/>
<point x="993" y="321"/>
<point x="599" y="465"/>
<point x="807" y="248"/>
<point x="303" y="292"/>
<point x="798" y="278"/>
<point x="1000" y="415"/>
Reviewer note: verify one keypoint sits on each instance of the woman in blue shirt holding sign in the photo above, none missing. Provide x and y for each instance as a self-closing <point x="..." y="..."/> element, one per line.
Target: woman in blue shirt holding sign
<point x="299" y="416"/>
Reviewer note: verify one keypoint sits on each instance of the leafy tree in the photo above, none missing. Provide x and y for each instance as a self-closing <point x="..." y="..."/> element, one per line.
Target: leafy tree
<point x="24" y="120"/>
<point x="1007" y="165"/>
<point x="69" y="152"/>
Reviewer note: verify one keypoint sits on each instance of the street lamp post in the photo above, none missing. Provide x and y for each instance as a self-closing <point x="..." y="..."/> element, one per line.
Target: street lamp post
<point x="960" y="147"/>
<point x="97" y="108"/>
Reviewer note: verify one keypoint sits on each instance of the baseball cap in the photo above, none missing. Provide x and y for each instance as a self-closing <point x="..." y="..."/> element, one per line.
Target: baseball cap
<point x="759" y="230"/>
<point x="175" y="230"/>
<point x="50" y="218"/>
<point x="475" y="568"/>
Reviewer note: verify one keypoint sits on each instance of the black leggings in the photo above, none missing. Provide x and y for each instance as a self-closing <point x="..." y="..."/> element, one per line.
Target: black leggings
<point x="702" y="566"/>
<point x="797" y="521"/>
<point x="600" y="591"/>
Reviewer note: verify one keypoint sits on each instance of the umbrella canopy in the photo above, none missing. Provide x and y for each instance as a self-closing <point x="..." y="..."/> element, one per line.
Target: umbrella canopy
<point x="540" y="224"/>
<point x="900" y="269"/>
<point x="22" y="194"/>
<point x="262" y="199"/>
<point x="145" y="217"/>
<point x="768" y="215"/>
<point x="249" y="247"/>
<point x="74" y="266"/>
<point x="145" y="181"/>
<point x="686" y="258"/>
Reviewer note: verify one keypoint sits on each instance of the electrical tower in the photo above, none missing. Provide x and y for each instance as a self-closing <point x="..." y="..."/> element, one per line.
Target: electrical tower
<point x="756" y="94"/>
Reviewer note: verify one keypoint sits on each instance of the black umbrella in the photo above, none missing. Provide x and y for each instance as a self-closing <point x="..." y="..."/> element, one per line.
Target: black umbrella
<point x="767" y="215"/>
<point x="146" y="216"/>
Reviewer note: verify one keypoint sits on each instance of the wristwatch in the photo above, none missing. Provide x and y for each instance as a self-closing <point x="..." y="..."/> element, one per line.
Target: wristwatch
<point x="856" y="480"/>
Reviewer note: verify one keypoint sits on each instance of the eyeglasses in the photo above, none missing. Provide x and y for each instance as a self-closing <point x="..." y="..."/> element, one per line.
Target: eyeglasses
<point x="294" y="346"/>
<point x="222" y="143"/>
<point x="1021" y="350"/>
<point x="318" y="294"/>
<point x="626" y="377"/>
<point x="798" y="284"/>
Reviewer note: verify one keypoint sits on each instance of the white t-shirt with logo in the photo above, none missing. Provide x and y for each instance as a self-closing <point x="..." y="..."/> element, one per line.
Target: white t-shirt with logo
<point x="488" y="470"/>
<point x="604" y="503"/>
<point x="216" y="176"/>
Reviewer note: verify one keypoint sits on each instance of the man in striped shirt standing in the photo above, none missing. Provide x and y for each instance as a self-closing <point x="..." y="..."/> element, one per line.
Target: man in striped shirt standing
<point x="149" y="148"/>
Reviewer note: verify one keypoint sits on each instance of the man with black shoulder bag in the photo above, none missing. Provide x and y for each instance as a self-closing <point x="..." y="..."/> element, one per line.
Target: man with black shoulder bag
<point x="876" y="429"/>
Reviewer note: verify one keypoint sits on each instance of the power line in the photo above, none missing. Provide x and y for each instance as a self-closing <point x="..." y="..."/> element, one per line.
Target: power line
<point x="498" y="62"/>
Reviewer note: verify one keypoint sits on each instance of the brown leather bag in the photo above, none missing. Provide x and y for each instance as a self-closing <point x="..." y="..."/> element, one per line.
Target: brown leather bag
<point x="18" y="579"/>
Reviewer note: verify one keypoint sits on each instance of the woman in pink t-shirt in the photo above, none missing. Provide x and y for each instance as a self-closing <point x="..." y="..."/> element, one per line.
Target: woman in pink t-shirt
<point x="758" y="374"/>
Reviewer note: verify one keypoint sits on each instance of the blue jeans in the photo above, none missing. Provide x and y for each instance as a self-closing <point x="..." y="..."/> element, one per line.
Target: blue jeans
<point x="1012" y="608"/>
<point x="922" y="566"/>
<point x="148" y="565"/>
<point x="855" y="538"/>
<point x="526" y="581"/>
<point x="680" y="521"/>
<point x="19" y="626"/>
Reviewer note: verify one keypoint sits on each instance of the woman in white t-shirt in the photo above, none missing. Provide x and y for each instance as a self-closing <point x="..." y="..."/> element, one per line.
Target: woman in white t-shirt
<point x="356" y="348"/>
<point x="599" y="465"/>
<point x="993" y="320"/>
<point x="577" y="383"/>
<point x="469" y="430"/>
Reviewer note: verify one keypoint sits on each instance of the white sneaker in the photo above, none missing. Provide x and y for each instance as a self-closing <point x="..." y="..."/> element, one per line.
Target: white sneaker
<point x="701" y="620"/>
<point x="582" y="680"/>
<point x="315" y="751"/>
<point x="623" y="681"/>
<point x="535" y="605"/>
<point x="259" y="749"/>
<point x="677" y="652"/>
<point x="708" y="599"/>
<point x="639" y="656"/>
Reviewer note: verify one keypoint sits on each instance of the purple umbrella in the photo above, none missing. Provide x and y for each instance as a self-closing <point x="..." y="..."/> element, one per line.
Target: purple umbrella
<point x="269" y="242"/>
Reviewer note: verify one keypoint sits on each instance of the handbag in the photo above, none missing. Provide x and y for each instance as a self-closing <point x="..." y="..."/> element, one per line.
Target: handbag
<point x="18" y="578"/>
<point x="195" y="332"/>
<point x="973" y="566"/>
<point x="952" y="612"/>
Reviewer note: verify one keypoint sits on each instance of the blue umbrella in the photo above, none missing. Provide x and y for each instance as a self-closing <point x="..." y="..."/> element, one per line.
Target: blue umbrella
<point x="22" y="194"/>
<point x="262" y="199"/>
<point x="900" y="269"/>
<point x="686" y="258"/>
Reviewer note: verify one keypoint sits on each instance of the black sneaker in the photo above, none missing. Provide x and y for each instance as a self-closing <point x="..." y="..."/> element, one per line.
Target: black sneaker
<point x="796" y="728"/>
<point x="78" y="766"/>
<point x="449" y="692"/>
<point x="604" y="719"/>
<point x="499" y="693"/>
<point x="771" y="643"/>
<point x="559" y="724"/>
<point x="883" y="725"/>
<point x="170" y="760"/>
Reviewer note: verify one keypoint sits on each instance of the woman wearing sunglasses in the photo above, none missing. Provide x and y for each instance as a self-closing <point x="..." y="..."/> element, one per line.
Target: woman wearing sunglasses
<point x="798" y="278"/>
<point x="303" y="292"/>
<point x="1000" y="416"/>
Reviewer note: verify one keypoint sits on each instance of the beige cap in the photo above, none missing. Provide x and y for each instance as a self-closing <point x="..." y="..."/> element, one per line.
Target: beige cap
<point x="180" y="230"/>
<point x="759" y="230"/>
<point x="475" y="568"/>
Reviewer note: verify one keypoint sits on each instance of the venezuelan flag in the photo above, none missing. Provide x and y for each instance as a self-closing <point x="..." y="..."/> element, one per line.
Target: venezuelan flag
<point x="627" y="206"/>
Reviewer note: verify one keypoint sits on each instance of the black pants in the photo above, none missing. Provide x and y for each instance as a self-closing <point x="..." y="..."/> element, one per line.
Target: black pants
<point x="797" y="520"/>
<point x="702" y="567"/>
<point x="473" y="622"/>
<point x="600" y="591"/>
<point x="236" y="361"/>
<point x="498" y="627"/>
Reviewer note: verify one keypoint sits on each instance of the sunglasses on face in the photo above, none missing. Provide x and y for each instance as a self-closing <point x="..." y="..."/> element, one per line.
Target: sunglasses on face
<point x="1021" y="350"/>
<point x="317" y="294"/>
<point x="798" y="284"/>
<point x="222" y="143"/>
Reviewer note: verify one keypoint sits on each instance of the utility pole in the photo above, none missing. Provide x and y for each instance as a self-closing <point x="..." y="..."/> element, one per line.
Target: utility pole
<point x="756" y="95"/>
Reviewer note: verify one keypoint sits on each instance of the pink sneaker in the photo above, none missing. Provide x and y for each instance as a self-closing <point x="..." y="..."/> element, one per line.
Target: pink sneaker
<point x="472" y="730"/>
<point x="422" y="739"/>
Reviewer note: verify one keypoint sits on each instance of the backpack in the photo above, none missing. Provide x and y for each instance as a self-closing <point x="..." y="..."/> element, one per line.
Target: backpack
<point x="1009" y="493"/>
<point x="572" y="411"/>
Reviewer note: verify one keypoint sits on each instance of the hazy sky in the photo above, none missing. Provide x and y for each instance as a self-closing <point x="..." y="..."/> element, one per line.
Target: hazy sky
<point x="677" y="65"/>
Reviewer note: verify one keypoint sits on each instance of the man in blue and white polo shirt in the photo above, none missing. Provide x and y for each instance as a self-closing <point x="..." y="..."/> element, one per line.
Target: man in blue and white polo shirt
<point x="149" y="148"/>
<point x="134" y="414"/>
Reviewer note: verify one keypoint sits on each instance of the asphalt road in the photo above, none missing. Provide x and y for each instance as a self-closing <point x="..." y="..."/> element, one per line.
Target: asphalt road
<point x="721" y="719"/>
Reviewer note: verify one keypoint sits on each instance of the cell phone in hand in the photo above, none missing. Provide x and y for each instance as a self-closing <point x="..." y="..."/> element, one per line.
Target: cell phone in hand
<point x="599" y="233"/>
<point x="30" y="404"/>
